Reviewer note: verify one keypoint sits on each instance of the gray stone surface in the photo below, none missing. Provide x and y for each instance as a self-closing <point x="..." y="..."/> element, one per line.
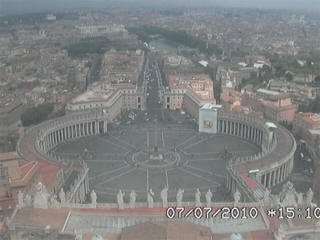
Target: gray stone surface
<point x="199" y="166"/>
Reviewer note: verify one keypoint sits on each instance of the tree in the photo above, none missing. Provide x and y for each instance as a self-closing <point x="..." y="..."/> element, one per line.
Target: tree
<point x="36" y="114"/>
<point x="95" y="45"/>
<point x="289" y="76"/>
<point x="314" y="106"/>
<point x="317" y="79"/>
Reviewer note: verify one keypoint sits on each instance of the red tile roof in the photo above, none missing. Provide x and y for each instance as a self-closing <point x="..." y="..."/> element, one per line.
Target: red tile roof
<point x="25" y="169"/>
<point x="250" y="182"/>
<point x="262" y="235"/>
<point x="48" y="172"/>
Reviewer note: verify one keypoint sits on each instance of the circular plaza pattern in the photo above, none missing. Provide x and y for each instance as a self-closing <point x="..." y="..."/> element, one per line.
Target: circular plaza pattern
<point x="154" y="155"/>
<point x="149" y="153"/>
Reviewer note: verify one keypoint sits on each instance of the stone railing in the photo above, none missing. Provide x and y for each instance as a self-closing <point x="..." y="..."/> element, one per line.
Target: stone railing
<point x="257" y="204"/>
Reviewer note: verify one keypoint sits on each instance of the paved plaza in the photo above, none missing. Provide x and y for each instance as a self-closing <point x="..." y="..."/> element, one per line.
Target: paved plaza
<point x="154" y="154"/>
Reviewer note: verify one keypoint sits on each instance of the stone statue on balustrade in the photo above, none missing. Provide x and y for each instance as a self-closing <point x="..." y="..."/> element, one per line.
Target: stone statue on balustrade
<point x="300" y="200"/>
<point x="267" y="197"/>
<point x="120" y="196"/>
<point x="197" y="197"/>
<point x="280" y="233"/>
<point x="78" y="236"/>
<point x="27" y="201"/>
<point x="180" y="197"/>
<point x="133" y="197"/>
<point x="41" y="197"/>
<point x="20" y="200"/>
<point x="150" y="198"/>
<point x="209" y="198"/>
<point x="236" y="196"/>
<point x="284" y="190"/>
<point x="62" y="197"/>
<point x="276" y="201"/>
<point x="164" y="197"/>
<point x="289" y="199"/>
<point x="54" y="202"/>
<point x="309" y="198"/>
<point x="93" y="196"/>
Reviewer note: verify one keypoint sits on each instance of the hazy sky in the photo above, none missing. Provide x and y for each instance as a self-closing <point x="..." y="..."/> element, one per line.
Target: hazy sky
<point x="11" y="6"/>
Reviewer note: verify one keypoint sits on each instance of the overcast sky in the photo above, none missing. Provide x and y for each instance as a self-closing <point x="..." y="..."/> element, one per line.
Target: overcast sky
<point x="12" y="6"/>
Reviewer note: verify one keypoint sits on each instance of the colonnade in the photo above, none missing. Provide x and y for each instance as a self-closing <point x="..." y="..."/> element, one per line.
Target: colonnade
<point x="70" y="127"/>
<point x="276" y="175"/>
<point x="276" y="163"/>
<point x="240" y="129"/>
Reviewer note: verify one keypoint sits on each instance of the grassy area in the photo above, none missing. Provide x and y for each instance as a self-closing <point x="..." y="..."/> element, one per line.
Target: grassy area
<point x="37" y="114"/>
<point x="276" y="81"/>
<point x="299" y="80"/>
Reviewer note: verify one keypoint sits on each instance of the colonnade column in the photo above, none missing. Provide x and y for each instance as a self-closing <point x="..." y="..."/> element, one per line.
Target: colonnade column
<point x="269" y="180"/>
<point x="68" y="132"/>
<point x="59" y="136"/>
<point x="277" y="175"/>
<point x="232" y="128"/>
<point x="96" y="127"/>
<point x="78" y="130"/>
<point x="223" y="126"/>
<point x="238" y="128"/>
<point x="87" y="127"/>
<point x="104" y="126"/>
<point x="64" y="134"/>
<point x="263" y="180"/>
<point x="280" y="174"/>
<point x="51" y="139"/>
<point x="243" y="130"/>
<point x="285" y="170"/>
<point x="55" y="137"/>
<point x="252" y="133"/>
<point x="227" y="129"/>
<point x="273" y="176"/>
<point x="73" y="130"/>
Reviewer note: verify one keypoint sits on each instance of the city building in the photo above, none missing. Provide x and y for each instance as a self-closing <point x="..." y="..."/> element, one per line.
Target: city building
<point x="51" y="17"/>
<point x="208" y="117"/>
<point x="119" y="87"/>
<point x="307" y="127"/>
<point x="189" y="92"/>
<point x="275" y="106"/>
<point x="230" y="99"/>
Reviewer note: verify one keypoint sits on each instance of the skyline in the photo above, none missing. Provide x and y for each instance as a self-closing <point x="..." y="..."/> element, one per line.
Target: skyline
<point x="18" y="6"/>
